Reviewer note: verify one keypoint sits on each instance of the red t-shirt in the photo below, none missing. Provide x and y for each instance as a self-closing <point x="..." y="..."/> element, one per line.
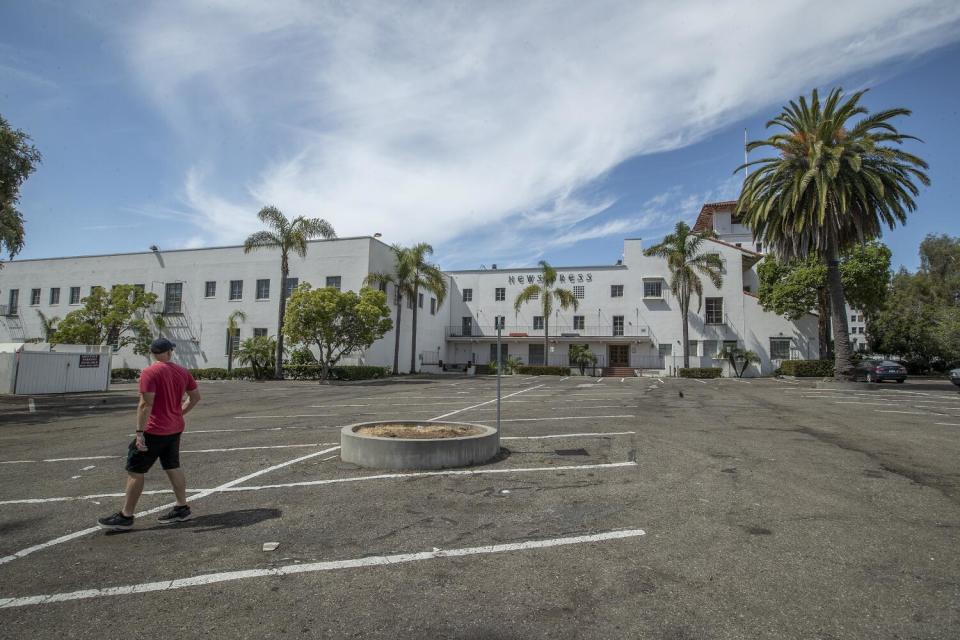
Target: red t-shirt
<point x="168" y="381"/>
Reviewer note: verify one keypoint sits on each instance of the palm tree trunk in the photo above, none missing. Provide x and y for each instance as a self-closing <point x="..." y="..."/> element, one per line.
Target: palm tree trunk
<point x="396" y="346"/>
<point x="229" y="349"/>
<point x="823" y="322"/>
<point x="841" y="336"/>
<point x="685" y="310"/>
<point x="284" y="272"/>
<point x="546" y="340"/>
<point x="413" y="333"/>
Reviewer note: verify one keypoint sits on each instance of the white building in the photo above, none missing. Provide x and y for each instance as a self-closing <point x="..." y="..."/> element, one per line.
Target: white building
<point x="199" y="288"/>
<point x="626" y="313"/>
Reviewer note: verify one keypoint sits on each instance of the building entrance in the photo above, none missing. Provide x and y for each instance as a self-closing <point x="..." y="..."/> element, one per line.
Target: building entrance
<point x="619" y="355"/>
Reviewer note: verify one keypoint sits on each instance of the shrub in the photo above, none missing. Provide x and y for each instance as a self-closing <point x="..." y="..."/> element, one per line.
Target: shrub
<point x="358" y="372"/>
<point x="125" y="373"/>
<point x="302" y="356"/>
<point x="538" y="370"/>
<point x="700" y="372"/>
<point x="807" y="368"/>
<point x="302" y="371"/>
<point x="219" y="373"/>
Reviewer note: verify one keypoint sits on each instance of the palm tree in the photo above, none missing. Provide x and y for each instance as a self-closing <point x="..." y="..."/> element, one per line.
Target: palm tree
<point x="545" y="291"/>
<point x="49" y="325"/>
<point x="832" y="185"/>
<point x="286" y="235"/>
<point x="426" y="277"/>
<point x="402" y="280"/>
<point x="681" y="249"/>
<point x="233" y="326"/>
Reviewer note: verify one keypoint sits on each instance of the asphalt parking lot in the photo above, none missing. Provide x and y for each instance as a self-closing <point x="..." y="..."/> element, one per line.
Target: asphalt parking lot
<point x="641" y="508"/>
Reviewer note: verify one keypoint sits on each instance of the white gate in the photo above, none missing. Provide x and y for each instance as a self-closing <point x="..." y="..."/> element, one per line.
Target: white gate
<point x="52" y="372"/>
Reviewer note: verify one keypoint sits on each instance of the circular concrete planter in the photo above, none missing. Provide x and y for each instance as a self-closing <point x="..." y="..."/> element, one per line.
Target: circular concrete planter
<point x="417" y="453"/>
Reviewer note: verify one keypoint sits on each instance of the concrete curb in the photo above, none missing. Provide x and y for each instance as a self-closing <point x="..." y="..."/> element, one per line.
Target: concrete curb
<point x="434" y="453"/>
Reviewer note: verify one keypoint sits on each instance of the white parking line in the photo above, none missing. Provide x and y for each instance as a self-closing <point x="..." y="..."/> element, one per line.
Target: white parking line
<point x="696" y="380"/>
<point x="198" y="496"/>
<point x="914" y="413"/>
<point x="32" y="405"/>
<point x="82" y="458"/>
<point x="599" y="434"/>
<point x="564" y="378"/>
<point x="453" y="413"/>
<point x="565" y="418"/>
<point x="313" y="567"/>
<point x="313" y="483"/>
<point x="942" y="424"/>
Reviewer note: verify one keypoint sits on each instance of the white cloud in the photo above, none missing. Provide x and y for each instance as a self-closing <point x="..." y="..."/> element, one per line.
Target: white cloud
<point x="429" y="121"/>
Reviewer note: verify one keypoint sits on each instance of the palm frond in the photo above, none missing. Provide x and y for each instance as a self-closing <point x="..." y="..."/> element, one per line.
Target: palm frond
<point x="530" y="292"/>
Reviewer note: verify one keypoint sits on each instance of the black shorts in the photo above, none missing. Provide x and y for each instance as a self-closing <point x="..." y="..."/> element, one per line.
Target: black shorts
<point x="167" y="448"/>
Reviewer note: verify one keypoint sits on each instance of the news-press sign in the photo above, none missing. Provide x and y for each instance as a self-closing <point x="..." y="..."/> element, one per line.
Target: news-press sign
<point x="571" y="278"/>
<point x="90" y="361"/>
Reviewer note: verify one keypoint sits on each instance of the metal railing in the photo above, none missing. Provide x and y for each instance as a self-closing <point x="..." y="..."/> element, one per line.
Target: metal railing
<point x="561" y="331"/>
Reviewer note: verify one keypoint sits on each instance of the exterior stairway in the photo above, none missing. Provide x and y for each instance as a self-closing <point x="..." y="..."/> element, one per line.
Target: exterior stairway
<point x="619" y="372"/>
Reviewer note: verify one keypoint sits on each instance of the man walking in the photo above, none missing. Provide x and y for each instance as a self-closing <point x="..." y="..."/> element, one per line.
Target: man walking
<point x="159" y="425"/>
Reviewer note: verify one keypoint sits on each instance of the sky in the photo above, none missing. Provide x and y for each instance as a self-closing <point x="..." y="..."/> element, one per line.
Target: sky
<point x="500" y="132"/>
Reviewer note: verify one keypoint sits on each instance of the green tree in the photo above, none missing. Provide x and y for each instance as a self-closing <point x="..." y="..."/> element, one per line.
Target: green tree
<point x="425" y="277"/>
<point x="830" y="185"/>
<point x="286" y="235"/>
<point x="545" y="291"/>
<point x="401" y="277"/>
<point x="796" y="288"/>
<point x="738" y="358"/>
<point x="682" y="251"/>
<point x="258" y="352"/>
<point x="18" y="159"/>
<point x="338" y="323"/>
<point x="233" y="329"/>
<point x="582" y="357"/>
<point x="117" y="317"/>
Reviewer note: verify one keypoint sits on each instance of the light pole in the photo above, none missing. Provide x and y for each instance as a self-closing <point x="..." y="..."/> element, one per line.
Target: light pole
<point x="499" y="324"/>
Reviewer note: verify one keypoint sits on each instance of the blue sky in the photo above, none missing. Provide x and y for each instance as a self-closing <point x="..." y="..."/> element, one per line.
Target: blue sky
<point x="499" y="132"/>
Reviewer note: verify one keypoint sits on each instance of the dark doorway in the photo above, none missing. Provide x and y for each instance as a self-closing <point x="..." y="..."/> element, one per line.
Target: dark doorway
<point x="619" y="355"/>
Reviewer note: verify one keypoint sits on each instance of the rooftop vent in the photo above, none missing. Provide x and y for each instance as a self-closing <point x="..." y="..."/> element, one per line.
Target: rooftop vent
<point x="493" y="266"/>
<point x="620" y="262"/>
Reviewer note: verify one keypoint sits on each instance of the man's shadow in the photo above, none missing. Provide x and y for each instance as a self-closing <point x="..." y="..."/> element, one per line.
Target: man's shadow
<point x="216" y="521"/>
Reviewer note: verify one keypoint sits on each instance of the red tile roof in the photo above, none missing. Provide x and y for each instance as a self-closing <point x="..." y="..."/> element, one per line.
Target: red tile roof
<point x="705" y="219"/>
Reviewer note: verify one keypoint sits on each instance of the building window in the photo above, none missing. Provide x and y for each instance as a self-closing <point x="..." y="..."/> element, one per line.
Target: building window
<point x="720" y="261"/>
<point x="853" y="318"/>
<point x="333" y="281"/>
<point x="500" y="322"/>
<point x="233" y="342"/>
<point x="292" y="283"/>
<point x="618" y="325"/>
<point x="260" y="332"/>
<point x="503" y="352"/>
<point x="263" y="289"/>
<point x="210" y="289"/>
<point x="729" y="345"/>
<point x="860" y="330"/>
<point x="578" y="291"/>
<point x="616" y="291"/>
<point x="14" y="300"/>
<point x="759" y="247"/>
<point x="578" y="323"/>
<point x="861" y="318"/>
<point x="714" y="310"/>
<point x="34" y="296"/>
<point x="54" y="295"/>
<point x="172" y="297"/>
<point x="537" y="323"/>
<point x="739" y="245"/>
<point x="779" y="348"/>
<point x="652" y="289"/>
<point x="409" y="302"/>
<point x="468" y="295"/>
<point x="535" y="354"/>
<point x="693" y="347"/>
<point x="140" y="287"/>
<point x="747" y="288"/>
<point x="420" y="300"/>
<point x="466" y="326"/>
<point x="236" y="289"/>
<point x="74" y="295"/>
<point x="433" y="306"/>
<point x="665" y="349"/>
<point x="500" y="294"/>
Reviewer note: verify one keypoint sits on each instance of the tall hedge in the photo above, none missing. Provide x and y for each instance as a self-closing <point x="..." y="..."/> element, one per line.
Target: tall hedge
<point x="807" y="368"/>
<point x="700" y="372"/>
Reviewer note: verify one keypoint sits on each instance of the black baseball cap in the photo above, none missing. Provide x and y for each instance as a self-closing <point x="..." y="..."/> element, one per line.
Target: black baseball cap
<point x="161" y="345"/>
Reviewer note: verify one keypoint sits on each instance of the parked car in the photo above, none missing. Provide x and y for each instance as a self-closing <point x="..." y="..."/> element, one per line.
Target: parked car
<point x="874" y="370"/>
<point x="955" y="376"/>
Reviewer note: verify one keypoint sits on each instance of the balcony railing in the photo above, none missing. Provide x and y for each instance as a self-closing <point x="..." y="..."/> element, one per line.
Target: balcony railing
<point x="6" y="310"/>
<point x="562" y="331"/>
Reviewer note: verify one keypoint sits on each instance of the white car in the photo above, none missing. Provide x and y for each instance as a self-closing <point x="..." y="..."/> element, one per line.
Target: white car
<point x="955" y="376"/>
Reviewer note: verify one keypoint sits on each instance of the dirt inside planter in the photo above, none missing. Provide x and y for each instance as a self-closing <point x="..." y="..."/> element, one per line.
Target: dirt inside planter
<point x="418" y="431"/>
